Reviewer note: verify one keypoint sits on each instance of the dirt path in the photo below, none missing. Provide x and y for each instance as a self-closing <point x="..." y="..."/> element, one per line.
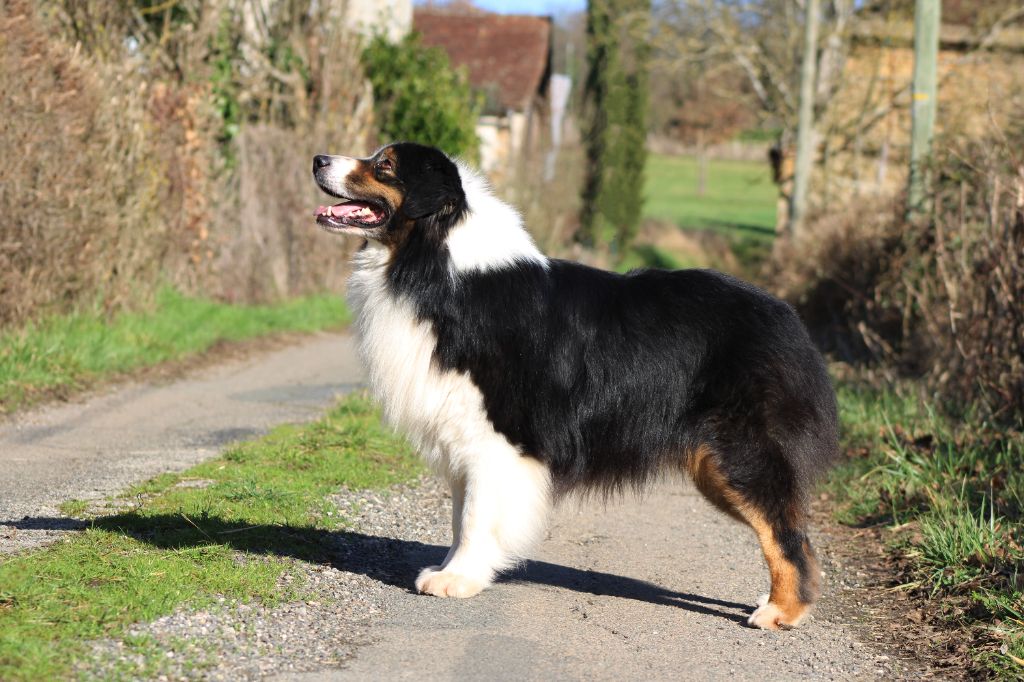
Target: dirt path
<point x="652" y="589"/>
<point x="101" y="445"/>
<point x="641" y="589"/>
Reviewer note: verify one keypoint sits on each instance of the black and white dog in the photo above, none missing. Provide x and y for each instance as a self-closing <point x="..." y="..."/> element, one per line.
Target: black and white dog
<point x="521" y="378"/>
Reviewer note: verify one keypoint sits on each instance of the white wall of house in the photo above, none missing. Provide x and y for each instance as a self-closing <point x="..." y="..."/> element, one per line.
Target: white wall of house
<point x="393" y="18"/>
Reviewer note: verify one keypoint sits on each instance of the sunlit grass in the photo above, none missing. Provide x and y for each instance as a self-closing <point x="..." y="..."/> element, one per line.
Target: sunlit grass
<point x="69" y="352"/>
<point x="739" y="202"/>
<point x="259" y="507"/>
<point x="739" y="199"/>
<point x="952" y="498"/>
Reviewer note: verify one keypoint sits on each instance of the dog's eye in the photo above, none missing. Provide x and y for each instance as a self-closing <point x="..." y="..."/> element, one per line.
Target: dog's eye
<point x="384" y="166"/>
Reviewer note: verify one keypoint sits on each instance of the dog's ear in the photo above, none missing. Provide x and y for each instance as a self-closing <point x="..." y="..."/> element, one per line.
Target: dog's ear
<point x="435" y="190"/>
<point x="437" y="202"/>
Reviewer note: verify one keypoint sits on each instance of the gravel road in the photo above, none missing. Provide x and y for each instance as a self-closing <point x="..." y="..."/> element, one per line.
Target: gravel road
<point x="652" y="589"/>
<point x="656" y="588"/>
<point x="96" y="447"/>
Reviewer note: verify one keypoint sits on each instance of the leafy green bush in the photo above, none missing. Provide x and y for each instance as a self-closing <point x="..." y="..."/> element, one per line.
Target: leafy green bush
<point x="419" y="97"/>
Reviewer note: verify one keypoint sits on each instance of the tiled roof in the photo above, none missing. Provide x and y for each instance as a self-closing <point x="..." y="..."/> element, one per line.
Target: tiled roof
<point x="506" y="55"/>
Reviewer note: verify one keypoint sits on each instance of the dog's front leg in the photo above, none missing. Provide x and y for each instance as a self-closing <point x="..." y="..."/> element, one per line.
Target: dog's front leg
<point x="500" y="511"/>
<point x="457" y="486"/>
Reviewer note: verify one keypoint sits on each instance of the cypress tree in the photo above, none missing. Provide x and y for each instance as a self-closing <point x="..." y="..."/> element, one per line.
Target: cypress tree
<point x="615" y="124"/>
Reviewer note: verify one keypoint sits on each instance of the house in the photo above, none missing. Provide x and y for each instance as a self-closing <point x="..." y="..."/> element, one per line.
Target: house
<point x="392" y="18"/>
<point x="508" y="60"/>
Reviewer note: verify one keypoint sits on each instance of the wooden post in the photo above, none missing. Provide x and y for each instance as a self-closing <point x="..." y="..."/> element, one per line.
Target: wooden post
<point x="805" y="141"/>
<point x="927" y="20"/>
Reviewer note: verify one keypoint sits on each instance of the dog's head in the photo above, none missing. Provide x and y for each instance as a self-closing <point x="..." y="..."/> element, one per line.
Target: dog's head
<point x="401" y="188"/>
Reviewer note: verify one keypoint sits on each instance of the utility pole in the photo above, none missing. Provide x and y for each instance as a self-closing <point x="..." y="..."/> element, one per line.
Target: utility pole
<point x="805" y="142"/>
<point x="927" y="20"/>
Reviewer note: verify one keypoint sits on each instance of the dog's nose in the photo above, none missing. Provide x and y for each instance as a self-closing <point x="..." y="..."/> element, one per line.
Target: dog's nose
<point x="319" y="161"/>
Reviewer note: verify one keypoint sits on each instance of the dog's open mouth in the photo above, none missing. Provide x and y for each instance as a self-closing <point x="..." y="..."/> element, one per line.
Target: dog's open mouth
<point x="351" y="213"/>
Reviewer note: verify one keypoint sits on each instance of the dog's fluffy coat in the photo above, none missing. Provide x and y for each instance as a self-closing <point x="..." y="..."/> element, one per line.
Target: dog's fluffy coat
<point x="521" y="378"/>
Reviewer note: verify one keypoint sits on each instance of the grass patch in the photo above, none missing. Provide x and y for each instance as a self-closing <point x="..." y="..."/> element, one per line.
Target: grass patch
<point x="739" y="201"/>
<point x="70" y="352"/>
<point x="260" y="506"/>
<point x="651" y="256"/>
<point x="951" y="497"/>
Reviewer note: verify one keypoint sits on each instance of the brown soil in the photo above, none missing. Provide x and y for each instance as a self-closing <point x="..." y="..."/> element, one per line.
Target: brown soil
<point x="898" y="620"/>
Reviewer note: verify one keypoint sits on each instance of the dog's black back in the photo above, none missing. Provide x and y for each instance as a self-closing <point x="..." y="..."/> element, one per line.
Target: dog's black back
<point x="608" y="378"/>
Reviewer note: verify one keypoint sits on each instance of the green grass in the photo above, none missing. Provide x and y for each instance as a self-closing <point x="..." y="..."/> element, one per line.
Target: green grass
<point x="951" y="496"/>
<point x="739" y="200"/>
<point x="228" y="527"/>
<point x="651" y="256"/>
<point x="70" y="352"/>
<point x="739" y="203"/>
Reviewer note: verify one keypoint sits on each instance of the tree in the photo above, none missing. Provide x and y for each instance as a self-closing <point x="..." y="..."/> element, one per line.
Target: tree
<point x="615" y="123"/>
<point x="763" y="40"/>
<point x="420" y="97"/>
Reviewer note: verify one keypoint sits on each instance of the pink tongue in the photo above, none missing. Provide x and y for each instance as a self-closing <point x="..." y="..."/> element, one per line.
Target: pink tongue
<point x="341" y="210"/>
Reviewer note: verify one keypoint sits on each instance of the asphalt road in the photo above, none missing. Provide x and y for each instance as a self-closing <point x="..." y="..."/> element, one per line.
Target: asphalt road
<point x="651" y="589"/>
<point x="91" y="448"/>
<point x="656" y="588"/>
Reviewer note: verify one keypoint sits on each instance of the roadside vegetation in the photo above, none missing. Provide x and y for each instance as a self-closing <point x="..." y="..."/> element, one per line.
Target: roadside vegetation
<point x="923" y="324"/>
<point x="734" y="211"/>
<point x="949" y="497"/>
<point x="168" y="143"/>
<point x="60" y="355"/>
<point x="230" y="527"/>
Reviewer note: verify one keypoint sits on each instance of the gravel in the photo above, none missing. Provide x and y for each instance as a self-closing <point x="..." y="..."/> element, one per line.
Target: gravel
<point x="342" y="601"/>
<point x="599" y="603"/>
<point x="101" y="444"/>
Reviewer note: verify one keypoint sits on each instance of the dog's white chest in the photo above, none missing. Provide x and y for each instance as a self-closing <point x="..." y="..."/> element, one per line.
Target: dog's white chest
<point x="440" y="411"/>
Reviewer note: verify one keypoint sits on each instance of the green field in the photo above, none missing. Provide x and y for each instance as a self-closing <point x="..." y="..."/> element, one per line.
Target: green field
<point x="66" y="353"/>
<point x="739" y="199"/>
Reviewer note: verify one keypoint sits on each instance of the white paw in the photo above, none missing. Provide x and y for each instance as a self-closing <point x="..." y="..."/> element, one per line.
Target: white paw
<point x="445" y="584"/>
<point x="769" y="616"/>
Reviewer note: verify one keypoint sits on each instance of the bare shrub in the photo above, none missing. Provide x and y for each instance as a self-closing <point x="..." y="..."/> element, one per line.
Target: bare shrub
<point x="963" y="276"/>
<point x="269" y="244"/>
<point x="79" y="195"/>
<point x="169" y="146"/>
<point x="272" y="247"/>
<point x="939" y="298"/>
<point x="835" y="278"/>
<point x="548" y="198"/>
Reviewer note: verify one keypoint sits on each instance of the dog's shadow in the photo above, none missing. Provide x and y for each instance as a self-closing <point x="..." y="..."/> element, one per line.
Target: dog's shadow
<point x="388" y="560"/>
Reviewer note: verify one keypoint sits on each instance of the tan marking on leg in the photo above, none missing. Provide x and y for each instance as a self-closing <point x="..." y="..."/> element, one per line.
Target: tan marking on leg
<point x="710" y="482"/>
<point x="783" y="608"/>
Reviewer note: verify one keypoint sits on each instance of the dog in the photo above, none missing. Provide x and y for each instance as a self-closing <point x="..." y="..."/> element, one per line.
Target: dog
<point x="522" y="378"/>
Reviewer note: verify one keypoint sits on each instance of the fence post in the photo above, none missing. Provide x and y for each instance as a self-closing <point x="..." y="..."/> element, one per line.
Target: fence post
<point x="805" y="142"/>
<point x="927" y="21"/>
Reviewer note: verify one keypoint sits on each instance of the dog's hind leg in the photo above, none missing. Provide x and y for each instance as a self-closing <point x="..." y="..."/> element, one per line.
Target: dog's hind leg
<point x="795" y="574"/>
<point x="505" y="504"/>
<point x="777" y="516"/>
